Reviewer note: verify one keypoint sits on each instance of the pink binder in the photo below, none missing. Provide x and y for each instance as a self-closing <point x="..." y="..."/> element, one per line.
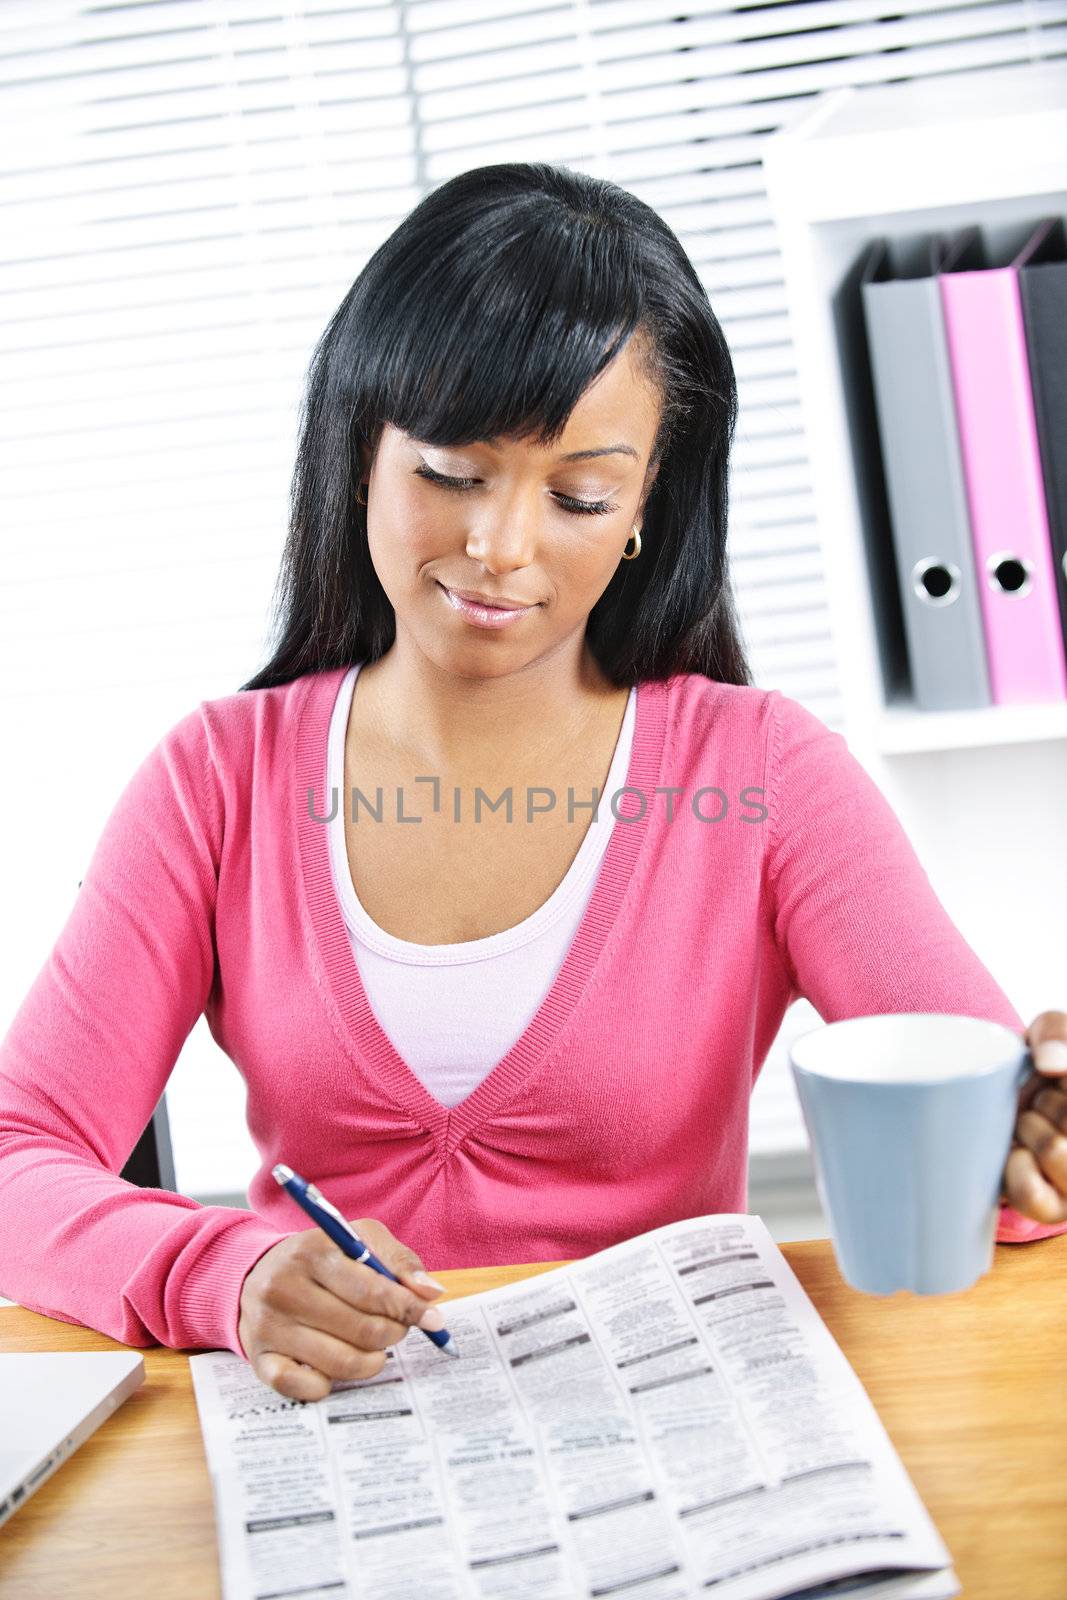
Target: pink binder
<point x="1002" y="471"/>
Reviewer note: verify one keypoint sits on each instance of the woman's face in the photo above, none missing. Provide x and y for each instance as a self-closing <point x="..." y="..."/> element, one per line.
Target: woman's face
<point x="546" y="528"/>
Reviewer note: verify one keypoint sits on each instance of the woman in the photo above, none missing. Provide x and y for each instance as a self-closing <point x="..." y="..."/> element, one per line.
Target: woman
<point x="489" y="1037"/>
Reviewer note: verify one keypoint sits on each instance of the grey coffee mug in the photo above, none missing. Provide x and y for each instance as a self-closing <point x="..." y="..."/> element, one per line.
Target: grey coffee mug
<point x="910" y="1117"/>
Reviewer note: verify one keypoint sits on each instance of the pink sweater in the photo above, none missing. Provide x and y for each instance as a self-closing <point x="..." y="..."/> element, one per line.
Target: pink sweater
<point x="623" y="1105"/>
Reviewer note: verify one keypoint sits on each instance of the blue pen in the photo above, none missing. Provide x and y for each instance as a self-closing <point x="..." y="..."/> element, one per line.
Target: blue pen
<point x="332" y="1222"/>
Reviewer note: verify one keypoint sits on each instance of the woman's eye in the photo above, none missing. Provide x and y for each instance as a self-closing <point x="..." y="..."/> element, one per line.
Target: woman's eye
<point x="596" y="508"/>
<point x="580" y="507"/>
<point x="424" y="471"/>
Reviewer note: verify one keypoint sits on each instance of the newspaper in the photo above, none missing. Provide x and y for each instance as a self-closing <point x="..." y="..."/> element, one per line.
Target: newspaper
<point x="667" y="1418"/>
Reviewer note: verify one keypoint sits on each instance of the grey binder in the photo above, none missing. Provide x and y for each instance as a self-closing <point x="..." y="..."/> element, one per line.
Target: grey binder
<point x="916" y="411"/>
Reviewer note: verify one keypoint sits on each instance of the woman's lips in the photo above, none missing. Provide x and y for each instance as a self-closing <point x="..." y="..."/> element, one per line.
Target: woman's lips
<point x="484" y="616"/>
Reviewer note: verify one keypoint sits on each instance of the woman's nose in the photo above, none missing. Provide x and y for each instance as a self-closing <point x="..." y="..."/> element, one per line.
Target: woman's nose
<point x="505" y="535"/>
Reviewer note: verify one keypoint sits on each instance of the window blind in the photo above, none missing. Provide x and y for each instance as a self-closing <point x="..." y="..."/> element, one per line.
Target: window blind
<point x="188" y="188"/>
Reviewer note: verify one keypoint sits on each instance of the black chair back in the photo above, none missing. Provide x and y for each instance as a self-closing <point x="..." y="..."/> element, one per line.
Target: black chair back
<point x="151" y="1163"/>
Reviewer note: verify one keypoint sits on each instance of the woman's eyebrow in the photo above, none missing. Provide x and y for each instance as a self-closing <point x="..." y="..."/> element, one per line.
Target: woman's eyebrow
<point x="605" y="450"/>
<point x="584" y="455"/>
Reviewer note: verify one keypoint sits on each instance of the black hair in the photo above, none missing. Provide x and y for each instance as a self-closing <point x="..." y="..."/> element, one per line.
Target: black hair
<point x="487" y="313"/>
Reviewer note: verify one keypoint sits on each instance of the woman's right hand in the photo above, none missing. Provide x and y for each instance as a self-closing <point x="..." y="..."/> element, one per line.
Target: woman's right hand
<point x="310" y="1314"/>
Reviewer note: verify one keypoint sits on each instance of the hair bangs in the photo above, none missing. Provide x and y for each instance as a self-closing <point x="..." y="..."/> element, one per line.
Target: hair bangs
<point x="508" y="348"/>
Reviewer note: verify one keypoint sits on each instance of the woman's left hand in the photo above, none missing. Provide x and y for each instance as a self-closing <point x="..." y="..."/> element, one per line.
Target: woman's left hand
<point x="1035" y="1177"/>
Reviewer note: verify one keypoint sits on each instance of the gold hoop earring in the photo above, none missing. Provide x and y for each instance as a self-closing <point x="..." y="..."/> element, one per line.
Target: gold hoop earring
<point x="628" y="555"/>
<point x="363" y="501"/>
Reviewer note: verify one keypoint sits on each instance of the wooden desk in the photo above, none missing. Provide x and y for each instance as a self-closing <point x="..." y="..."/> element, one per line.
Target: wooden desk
<point x="972" y="1389"/>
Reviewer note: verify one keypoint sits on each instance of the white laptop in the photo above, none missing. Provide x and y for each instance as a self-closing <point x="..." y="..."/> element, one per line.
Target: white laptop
<point x="49" y="1404"/>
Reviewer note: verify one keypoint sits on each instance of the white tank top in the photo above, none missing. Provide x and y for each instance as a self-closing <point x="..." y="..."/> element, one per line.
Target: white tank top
<point x="452" y="1011"/>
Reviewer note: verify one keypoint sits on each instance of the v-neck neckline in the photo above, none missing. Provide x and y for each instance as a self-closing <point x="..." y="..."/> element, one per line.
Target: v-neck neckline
<point x="330" y="950"/>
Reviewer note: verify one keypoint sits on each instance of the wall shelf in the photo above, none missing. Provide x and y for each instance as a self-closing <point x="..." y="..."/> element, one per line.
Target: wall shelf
<point x="901" y="730"/>
<point x="911" y="158"/>
<point x="897" y="160"/>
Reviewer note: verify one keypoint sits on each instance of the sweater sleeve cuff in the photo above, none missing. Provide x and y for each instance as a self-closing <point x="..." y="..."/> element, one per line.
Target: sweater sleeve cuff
<point x="211" y="1297"/>
<point x="1014" y="1228"/>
